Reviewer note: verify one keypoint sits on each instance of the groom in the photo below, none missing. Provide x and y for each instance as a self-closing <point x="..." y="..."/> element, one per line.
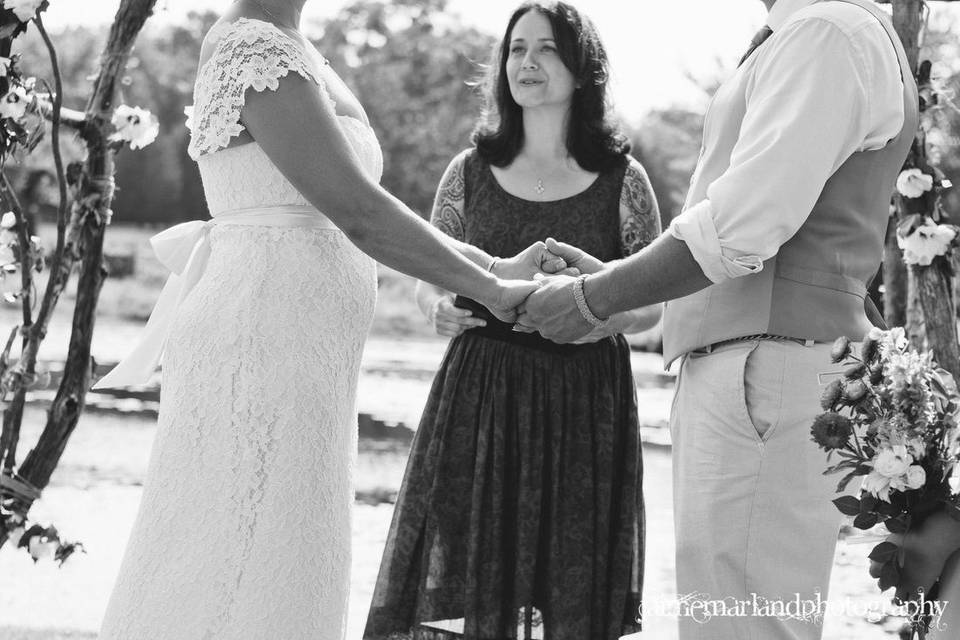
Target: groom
<point x="783" y="227"/>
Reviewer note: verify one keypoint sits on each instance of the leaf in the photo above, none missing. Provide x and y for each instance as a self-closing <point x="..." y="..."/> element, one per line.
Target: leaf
<point x="868" y="503"/>
<point x="883" y="552"/>
<point x="865" y="521"/>
<point x="842" y="485"/>
<point x="889" y="575"/>
<point x="848" y="505"/>
<point x="896" y="525"/>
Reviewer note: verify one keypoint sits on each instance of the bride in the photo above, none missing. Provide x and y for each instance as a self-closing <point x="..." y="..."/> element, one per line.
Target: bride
<point x="244" y="526"/>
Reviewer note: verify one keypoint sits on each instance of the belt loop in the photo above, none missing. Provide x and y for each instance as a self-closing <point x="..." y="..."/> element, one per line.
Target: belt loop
<point x="808" y="343"/>
<point x="708" y="348"/>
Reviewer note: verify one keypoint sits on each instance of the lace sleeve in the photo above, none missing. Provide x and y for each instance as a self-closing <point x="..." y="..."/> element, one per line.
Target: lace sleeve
<point x="248" y="54"/>
<point x="448" y="205"/>
<point x="639" y="212"/>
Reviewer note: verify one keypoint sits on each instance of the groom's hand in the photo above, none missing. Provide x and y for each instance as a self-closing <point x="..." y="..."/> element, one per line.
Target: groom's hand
<point x="552" y="310"/>
<point x="574" y="257"/>
<point x="925" y="553"/>
<point x="531" y="261"/>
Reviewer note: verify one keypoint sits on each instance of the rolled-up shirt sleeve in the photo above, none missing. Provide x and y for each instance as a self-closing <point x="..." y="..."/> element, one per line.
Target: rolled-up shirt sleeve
<point x="808" y="108"/>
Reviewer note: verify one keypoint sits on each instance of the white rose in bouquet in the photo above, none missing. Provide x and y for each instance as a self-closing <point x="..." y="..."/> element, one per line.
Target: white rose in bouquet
<point x="892" y="462"/>
<point x="916" y="477"/>
<point x="913" y="183"/>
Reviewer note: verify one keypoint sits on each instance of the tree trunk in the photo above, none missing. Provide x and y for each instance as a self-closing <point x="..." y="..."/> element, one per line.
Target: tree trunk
<point x="935" y="294"/>
<point x="90" y="212"/>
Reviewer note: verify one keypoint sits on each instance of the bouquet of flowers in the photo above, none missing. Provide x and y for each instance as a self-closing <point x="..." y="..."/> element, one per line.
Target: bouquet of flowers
<point x="892" y="419"/>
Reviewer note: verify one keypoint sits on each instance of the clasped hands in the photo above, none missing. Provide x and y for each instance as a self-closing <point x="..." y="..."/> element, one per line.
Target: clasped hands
<point x="551" y="309"/>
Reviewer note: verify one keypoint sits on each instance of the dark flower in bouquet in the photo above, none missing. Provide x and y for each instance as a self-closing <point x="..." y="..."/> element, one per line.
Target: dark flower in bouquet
<point x="892" y="421"/>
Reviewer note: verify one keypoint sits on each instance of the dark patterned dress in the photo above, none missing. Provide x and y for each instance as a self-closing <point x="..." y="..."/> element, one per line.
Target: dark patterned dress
<point x="522" y="496"/>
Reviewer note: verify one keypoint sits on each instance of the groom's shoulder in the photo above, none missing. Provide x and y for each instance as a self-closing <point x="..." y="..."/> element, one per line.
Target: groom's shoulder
<point x="850" y="18"/>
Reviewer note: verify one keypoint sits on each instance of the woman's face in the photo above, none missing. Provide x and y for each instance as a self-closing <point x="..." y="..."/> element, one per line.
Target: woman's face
<point x="536" y="75"/>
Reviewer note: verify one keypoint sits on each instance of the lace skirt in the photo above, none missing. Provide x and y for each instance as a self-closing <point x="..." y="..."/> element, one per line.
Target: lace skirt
<point x="522" y="496"/>
<point x="244" y="526"/>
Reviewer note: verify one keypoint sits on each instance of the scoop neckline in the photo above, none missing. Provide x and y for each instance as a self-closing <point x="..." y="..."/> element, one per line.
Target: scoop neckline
<point x="500" y="187"/>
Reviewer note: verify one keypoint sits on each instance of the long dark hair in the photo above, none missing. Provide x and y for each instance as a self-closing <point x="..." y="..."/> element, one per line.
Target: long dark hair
<point x="593" y="139"/>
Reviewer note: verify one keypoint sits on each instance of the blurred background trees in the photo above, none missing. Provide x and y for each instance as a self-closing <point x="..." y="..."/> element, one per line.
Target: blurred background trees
<point x="412" y="65"/>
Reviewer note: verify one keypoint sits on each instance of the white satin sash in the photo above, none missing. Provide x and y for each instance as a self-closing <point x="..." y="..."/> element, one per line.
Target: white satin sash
<point x="185" y="250"/>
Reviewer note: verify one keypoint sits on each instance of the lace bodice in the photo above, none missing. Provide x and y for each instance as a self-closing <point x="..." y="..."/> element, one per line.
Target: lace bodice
<point x="252" y="54"/>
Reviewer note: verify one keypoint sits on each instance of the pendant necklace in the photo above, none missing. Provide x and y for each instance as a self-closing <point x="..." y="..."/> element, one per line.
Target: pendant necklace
<point x="540" y="188"/>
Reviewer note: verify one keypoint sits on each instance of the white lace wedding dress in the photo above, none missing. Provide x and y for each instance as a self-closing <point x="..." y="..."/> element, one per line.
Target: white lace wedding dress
<point x="244" y="527"/>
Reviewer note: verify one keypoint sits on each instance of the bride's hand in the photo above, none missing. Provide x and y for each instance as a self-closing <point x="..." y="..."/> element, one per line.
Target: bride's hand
<point x="925" y="552"/>
<point x="574" y="258"/>
<point x="510" y="294"/>
<point x="531" y="261"/>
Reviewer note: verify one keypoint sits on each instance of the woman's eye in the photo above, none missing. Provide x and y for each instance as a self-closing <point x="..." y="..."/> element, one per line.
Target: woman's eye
<point x="516" y="50"/>
<point x="548" y="48"/>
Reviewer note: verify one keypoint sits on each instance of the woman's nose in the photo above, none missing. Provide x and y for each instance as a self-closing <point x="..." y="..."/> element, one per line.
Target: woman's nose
<point x="529" y="62"/>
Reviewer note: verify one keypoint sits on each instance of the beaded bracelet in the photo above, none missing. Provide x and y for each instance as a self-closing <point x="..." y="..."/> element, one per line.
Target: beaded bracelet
<point x="582" y="303"/>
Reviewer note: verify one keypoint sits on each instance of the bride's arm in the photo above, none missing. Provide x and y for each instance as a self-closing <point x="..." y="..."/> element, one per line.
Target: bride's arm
<point x="297" y="128"/>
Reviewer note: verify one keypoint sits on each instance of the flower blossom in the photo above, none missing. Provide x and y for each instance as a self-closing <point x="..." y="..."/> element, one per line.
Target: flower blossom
<point x="137" y="126"/>
<point x="913" y="183"/>
<point x="893" y="461"/>
<point x="25" y="9"/>
<point x="926" y="243"/>
<point x="14" y="103"/>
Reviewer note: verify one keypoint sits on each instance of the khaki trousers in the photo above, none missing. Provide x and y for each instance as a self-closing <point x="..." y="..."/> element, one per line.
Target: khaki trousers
<point x="753" y="513"/>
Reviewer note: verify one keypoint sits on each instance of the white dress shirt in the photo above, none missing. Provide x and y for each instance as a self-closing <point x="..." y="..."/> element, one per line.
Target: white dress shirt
<point x="825" y="85"/>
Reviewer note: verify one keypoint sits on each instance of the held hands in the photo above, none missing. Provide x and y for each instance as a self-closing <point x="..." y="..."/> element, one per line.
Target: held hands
<point x="535" y="259"/>
<point x="552" y="309"/>
<point x="553" y="264"/>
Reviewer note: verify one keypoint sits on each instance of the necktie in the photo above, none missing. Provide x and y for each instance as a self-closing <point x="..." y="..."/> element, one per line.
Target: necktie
<point x="758" y="40"/>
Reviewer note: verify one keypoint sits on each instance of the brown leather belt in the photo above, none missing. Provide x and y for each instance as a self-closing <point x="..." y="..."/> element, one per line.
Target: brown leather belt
<point x="757" y="336"/>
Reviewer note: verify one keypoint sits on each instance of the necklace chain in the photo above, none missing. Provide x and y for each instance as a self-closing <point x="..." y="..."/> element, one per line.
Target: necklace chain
<point x="269" y="13"/>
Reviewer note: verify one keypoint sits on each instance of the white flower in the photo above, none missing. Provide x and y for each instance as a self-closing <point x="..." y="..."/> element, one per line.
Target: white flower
<point x="188" y="111"/>
<point x="926" y="243"/>
<point x="945" y="184"/>
<point x="892" y="461"/>
<point x="41" y="547"/>
<point x="14" y="103"/>
<point x="916" y="477"/>
<point x="878" y="485"/>
<point x="137" y="126"/>
<point x="8" y="221"/>
<point x="913" y="183"/>
<point x="25" y="9"/>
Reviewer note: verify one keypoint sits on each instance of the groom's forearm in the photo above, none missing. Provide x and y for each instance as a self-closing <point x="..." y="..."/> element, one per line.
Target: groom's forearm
<point x="663" y="271"/>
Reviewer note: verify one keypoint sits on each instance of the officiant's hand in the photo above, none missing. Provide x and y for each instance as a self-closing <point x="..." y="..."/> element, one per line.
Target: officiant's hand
<point x="574" y="257"/>
<point x="531" y="261"/>
<point x="925" y="553"/>
<point x="552" y="310"/>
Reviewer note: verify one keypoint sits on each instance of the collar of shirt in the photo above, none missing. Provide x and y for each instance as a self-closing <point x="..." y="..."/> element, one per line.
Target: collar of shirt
<point x="783" y="9"/>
